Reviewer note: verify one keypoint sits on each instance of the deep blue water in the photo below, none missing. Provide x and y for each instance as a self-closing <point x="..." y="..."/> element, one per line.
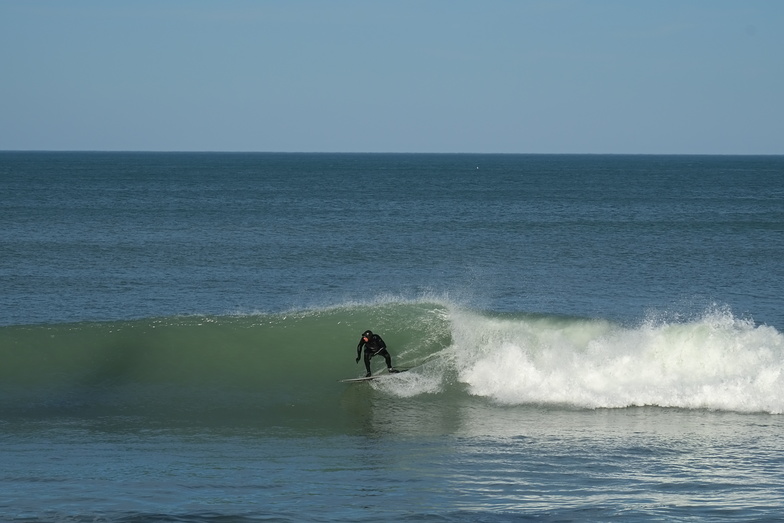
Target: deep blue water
<point x="592" y="337"/>
<point x="119" y="235"/>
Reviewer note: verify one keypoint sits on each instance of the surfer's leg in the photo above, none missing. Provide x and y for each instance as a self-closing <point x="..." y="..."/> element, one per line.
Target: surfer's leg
<point x="368" y="355"/>
<point x="388" y="359"/>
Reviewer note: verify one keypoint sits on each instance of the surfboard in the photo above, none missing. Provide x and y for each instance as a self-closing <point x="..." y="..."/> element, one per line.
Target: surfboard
<point x="357" y="380"/>
<point x="370" y="378"/>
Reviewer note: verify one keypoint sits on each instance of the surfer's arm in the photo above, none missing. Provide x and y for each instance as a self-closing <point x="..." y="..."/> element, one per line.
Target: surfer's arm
<point x="359" y="348"/>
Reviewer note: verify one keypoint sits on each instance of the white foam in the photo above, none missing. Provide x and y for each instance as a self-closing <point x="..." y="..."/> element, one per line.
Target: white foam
<point x="715" y="362"/>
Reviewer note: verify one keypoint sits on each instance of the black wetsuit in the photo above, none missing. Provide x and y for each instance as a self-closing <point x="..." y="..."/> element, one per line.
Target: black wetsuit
<point x="375" y="345"/>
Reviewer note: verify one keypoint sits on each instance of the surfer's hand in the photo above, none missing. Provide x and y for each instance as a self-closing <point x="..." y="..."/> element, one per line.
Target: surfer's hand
<point x="357" y="359"/>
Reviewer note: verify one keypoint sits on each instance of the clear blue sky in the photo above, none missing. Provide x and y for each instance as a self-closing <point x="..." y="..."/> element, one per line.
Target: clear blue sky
<point x="517" y="76"/>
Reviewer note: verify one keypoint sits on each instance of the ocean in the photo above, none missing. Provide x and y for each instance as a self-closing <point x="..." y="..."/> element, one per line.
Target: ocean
<point x="586" y="337"/>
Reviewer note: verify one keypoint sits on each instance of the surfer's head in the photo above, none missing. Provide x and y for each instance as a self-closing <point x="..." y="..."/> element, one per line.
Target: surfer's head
<point x="366" y="335"/>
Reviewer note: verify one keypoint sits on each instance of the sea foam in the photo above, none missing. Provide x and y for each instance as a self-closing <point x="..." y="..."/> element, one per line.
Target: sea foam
<point x="716" y="361"/>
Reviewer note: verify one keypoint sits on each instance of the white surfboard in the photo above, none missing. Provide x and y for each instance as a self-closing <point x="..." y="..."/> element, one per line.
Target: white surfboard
<point x="356" y="380"/>
<point x="369" y="378"/>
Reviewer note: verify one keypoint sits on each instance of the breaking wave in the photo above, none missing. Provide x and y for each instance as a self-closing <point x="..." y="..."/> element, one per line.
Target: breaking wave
<point x="287" y="365"/>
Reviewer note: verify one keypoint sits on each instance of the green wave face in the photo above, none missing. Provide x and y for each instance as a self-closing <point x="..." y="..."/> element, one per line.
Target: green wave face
<point x="261" y="368"/>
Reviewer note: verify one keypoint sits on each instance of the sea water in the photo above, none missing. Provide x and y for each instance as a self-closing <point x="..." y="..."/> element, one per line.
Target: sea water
<point x="588" y="337"/>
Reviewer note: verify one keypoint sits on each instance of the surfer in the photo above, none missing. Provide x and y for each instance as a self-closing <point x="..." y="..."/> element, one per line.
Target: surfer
<point x="374" y="345"/>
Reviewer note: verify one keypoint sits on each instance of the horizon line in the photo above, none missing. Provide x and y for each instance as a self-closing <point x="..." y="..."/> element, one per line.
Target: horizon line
<point x="186" y="151"/>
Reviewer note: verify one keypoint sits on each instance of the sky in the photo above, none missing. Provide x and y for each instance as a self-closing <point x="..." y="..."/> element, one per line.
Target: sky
<point x="441" y="76"/>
